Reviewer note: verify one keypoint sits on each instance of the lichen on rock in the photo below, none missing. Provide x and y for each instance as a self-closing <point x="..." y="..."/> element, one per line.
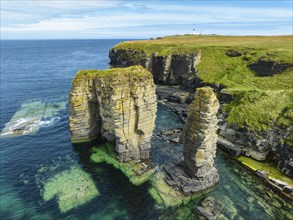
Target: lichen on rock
<point x="200" y="133"/>
<point x="196" y="172"/>
<point x="115" y="105"/>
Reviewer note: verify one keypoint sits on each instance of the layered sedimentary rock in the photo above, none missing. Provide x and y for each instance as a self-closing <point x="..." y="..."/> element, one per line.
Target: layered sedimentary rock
<point x="200" y="134"/>
<point x="115" y="105"/>
<point x="274" y="144"/>
<point x="197" y="172"/>
<point x="174" y="69"/>
<point x="219" y="67"/>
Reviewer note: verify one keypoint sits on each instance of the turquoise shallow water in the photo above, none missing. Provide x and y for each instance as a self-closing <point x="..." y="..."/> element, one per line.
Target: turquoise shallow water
<point x="41" y="72"/>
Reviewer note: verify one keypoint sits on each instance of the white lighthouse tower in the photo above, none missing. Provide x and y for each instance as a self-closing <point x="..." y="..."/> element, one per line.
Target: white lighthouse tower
<point x="193" y="32"/>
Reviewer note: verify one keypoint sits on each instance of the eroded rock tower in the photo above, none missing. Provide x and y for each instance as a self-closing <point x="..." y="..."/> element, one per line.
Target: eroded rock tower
<point x="197" y="172"/>
<point x="115" y="105"/>
<point x="200" y="134"/>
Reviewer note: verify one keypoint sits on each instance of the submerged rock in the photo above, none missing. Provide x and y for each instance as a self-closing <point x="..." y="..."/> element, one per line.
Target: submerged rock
<point x="115" y="105"/>
<point x="31" y="116"/>
<point x="71" y="187"/>
<point x="210" y="208"/>
<point x="137" y="172"/>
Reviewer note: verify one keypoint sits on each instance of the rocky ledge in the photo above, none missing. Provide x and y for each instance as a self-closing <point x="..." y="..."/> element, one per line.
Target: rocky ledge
<point x="274" y="144"/>
<point x="117" y="105"/>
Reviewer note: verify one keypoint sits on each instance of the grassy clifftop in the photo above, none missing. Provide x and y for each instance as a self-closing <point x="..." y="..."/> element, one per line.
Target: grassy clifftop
<point x="116" y="75"/>
<point x="189" y="43"/>
<point x="256" y="70"/>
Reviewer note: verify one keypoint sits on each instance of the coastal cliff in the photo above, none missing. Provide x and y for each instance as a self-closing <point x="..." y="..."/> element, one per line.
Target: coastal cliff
<point x="248" y="73"/>
<point x="116" y="105"/>
<point x="173" y="69"/>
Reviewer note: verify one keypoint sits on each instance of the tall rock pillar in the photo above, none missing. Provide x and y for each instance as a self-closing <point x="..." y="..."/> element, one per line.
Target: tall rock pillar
<point x="199" y="134"/>
<point x="117" y="105"/>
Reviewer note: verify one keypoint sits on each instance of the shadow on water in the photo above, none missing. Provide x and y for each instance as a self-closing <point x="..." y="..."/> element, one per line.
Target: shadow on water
<point x="116" y="191"/>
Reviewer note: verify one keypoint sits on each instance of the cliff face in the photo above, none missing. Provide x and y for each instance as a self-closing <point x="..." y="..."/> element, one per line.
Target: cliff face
<point x="275" y="144"/>
<point x="174" y="69"/>
<point x="115" y="105"/>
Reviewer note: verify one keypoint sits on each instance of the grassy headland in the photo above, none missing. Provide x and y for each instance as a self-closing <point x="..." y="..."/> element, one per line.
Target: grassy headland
<point x="259" y="101"/>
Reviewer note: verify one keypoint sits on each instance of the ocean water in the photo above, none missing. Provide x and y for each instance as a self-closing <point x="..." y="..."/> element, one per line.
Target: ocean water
<point x="35" y="82"/>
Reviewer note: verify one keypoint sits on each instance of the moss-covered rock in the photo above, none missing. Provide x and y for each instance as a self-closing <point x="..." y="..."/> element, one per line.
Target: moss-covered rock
<point x="271" y="171"/>
<point x="165" y="195"/>
<point x="138" y="172"/>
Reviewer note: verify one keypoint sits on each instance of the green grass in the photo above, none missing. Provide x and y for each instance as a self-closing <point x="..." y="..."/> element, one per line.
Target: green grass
<point x="261" y="109"/>
<point x="115" y="75"/>
<point x="106" y="154"/>
<point x="186" y="44"/>
<point x="258" y="102"/>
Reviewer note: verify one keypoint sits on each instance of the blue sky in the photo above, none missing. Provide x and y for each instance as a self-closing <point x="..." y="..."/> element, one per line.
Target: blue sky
<point x="101" y="19"/>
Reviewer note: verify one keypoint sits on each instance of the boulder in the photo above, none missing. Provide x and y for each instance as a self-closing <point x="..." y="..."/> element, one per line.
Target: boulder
<point x="210" y="208"/>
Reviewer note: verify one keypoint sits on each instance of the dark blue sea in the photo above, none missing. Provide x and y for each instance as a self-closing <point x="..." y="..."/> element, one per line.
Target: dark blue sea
<point x="36" y="77"/>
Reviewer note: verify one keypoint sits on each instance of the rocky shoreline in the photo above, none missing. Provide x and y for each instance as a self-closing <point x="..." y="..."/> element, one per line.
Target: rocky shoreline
<point x="178" y="99"/>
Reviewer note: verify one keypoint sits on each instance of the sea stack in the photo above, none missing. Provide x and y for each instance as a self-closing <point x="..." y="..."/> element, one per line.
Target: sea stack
<point x="117" y="105"/>
<point x="196" y="172"/>
<point x="200" y="134"/>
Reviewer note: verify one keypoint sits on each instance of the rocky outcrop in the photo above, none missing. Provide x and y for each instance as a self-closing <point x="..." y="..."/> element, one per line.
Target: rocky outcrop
<point x="275" y="144"/>
<point x="200" y="134"/>
<point x="174" y="69"/>
<point x="197" y="172"/>
<point x="115" y="105"/>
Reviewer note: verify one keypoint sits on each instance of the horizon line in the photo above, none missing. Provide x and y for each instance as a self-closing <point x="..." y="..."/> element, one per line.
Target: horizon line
<point x="147" y="38"/>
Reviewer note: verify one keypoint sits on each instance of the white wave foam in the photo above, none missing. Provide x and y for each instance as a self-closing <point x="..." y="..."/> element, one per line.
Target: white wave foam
<point x="49" y="122"/>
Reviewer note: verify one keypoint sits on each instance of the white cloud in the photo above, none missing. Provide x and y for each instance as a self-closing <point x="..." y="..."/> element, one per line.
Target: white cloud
<point x="61" y="16"/>
<point x="228" y="12"/>
<point x="78" y="5"/>
<point x="16" y="13"/>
